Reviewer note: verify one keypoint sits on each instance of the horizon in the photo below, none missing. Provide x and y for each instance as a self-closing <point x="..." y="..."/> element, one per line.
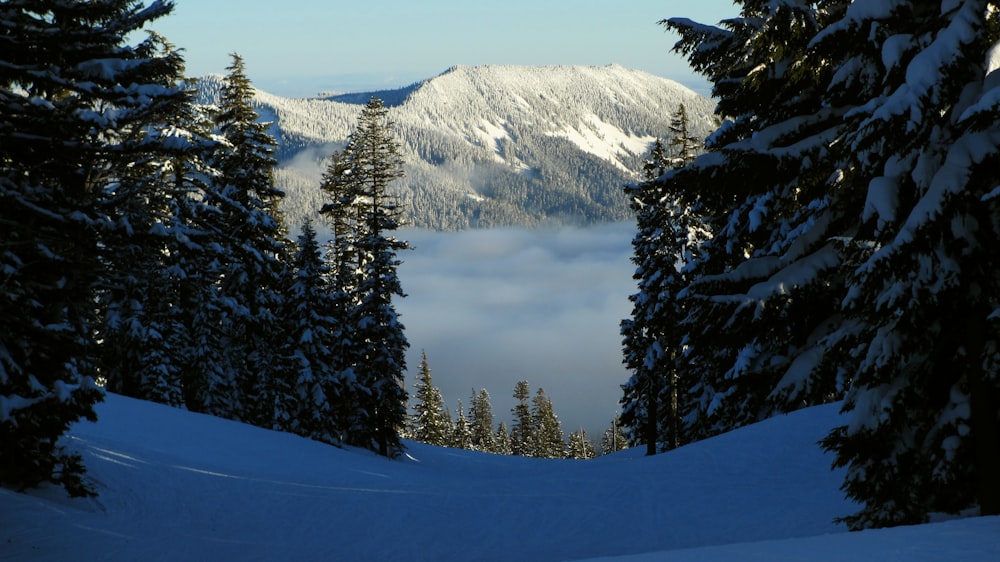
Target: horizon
<point x="305" y="50"/>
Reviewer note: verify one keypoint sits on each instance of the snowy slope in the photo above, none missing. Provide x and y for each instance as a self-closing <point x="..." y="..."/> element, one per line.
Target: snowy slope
<point x="493" y="145"/>
<point x="181" y="486"/>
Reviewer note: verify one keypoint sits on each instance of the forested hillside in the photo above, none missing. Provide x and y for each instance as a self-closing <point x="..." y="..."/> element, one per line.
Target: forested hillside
<point x="493" y="145"/>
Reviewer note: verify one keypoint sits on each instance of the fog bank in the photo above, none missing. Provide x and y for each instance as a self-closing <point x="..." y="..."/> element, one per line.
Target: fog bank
<point x="491" y="307"/>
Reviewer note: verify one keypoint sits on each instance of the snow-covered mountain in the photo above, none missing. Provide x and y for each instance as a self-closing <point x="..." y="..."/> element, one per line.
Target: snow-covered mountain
<point x="494" y="145"/>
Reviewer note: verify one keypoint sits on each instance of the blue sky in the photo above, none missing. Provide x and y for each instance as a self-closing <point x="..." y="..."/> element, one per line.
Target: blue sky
<point x="302" y="47"/>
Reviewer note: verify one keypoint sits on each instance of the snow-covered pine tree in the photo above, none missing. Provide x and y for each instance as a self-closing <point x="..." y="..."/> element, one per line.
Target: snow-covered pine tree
<point x="657" y="161"/>
<point x="580" y="446"/>
<point x="614" y="438"/>
<point x="760" y="297"/>
<point x="642" y="342"/>
<point x="923" y="431"/>
<point x="197" y="259"/>
<point x="313" y="379"/>
<point x="428" y="423"/>
<point x="668" y="236"/>
<point x="521" y="435"/>
<point x="878" y="122"/>
<point x="548" y="439"/>
<point x="190" y="252"/>
<point x="255" y="262"/>
<point x="71" y="92"/>
<point x="683" y="145"/>
<point x="461" y="435"/>
<point x="481" y="422"/>
<point x="502" y="440"/>
<point x="341" y="215"/>
<point x="147" y="229"/>
<point x="357" y="181"/>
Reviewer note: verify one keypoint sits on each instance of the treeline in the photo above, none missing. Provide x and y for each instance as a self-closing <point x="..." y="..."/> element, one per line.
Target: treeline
<point x="144" y="250"/>
<point x="535" y="431"/>
<point x="837" y="242"/>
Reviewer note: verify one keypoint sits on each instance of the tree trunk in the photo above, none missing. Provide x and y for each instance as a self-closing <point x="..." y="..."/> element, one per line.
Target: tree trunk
<point x="983" y="418"/>
<point x="652" y="421"/>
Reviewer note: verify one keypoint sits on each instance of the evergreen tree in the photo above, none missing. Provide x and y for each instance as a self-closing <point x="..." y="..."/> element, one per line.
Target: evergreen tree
<point x="481" y="422"/>
<point x="502" y="440"/>
<point x="548" y="441"/>
<point x="341" y="216"/>
<point x="428" y="422"/>
<point x="461" y="436"/>
<point x="668" y="238"/>
<point x="312" y="378"/>
<point x="580" y="446"/>
<point x="757" y="304"/>
<point x="854" y="204"/>
<point x="684" y="146"/>
<point x="72" y="95"/>
<point x="521" y="432"/>
<point x="657" y="162"/>
<point x="614" y="438"/>
<point x="363" y="216"/>
<point x="254" y="270"/>
<point x="923" y="432"/>
<point x="148" y="231"/>
<point x="190" y="254"/>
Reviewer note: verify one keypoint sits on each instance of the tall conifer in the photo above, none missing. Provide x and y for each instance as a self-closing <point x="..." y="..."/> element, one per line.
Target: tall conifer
<point x="853" y="198"/>
<point x="548" y="439"/>
<point x="254" y="267"/>
<point x="481" y="422"/>
<point x="73" y="96"/>
<point x="428" y="423"/>
<point x="521" y="431"/>
<point x="364" y="252"/>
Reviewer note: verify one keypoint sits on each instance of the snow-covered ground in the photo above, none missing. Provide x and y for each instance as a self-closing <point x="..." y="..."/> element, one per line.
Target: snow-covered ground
<point x="181" y="486"/>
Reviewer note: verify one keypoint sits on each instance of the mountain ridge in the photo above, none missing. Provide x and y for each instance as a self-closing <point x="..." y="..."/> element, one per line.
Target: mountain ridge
<point x="492" y="145"/>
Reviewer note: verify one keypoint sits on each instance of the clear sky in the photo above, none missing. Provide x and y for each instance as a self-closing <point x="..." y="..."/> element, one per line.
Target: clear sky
<point x="302" y="47"/>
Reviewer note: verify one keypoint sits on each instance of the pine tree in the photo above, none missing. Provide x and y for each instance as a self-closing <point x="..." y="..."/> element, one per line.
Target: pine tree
<point x="344" y="279"/>
<point x="502" y="440"/>
<point x="363" y="216"/>
<point x="614" y="438"/>
<point x="190" y="251"/>
<point x="313" y="381"/>
<point x="481" y="422"/>
<point x="72" y="93"/>
<point x="758" y="302"/>
<point x="461" y="436"/>
<point x="428" y="422"/>
<point x="856" y="212"/>
<point x="684" y="146"/>
<point x="923" y="434"/>
<point x="253" y="273"/>
<point x="668" y="238"/>
<point x="521" y="432"/>
<point x="580" y="446"/>
<point x="657" y="162"/>
<point x="148" y="229"/>
<point x="548" y="441"/>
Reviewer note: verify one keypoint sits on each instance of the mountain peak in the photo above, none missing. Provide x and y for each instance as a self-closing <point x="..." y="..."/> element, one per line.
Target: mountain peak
<point x="496" y="145"/>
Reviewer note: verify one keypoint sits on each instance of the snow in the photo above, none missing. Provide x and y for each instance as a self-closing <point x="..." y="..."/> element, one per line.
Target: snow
<point x="604" y="140"/>
<point x="176" y="485"/>
<point x="882" y="201"/>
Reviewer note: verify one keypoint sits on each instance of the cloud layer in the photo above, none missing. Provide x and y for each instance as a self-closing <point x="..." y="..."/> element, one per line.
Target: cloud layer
<point x="492" y="307"/>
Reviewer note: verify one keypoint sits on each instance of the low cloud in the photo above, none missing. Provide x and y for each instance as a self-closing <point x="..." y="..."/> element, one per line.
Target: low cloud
<point x="492" y="307"/>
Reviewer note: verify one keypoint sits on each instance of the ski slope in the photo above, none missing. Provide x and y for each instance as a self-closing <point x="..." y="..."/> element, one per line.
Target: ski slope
<point x="181" y="486"/>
